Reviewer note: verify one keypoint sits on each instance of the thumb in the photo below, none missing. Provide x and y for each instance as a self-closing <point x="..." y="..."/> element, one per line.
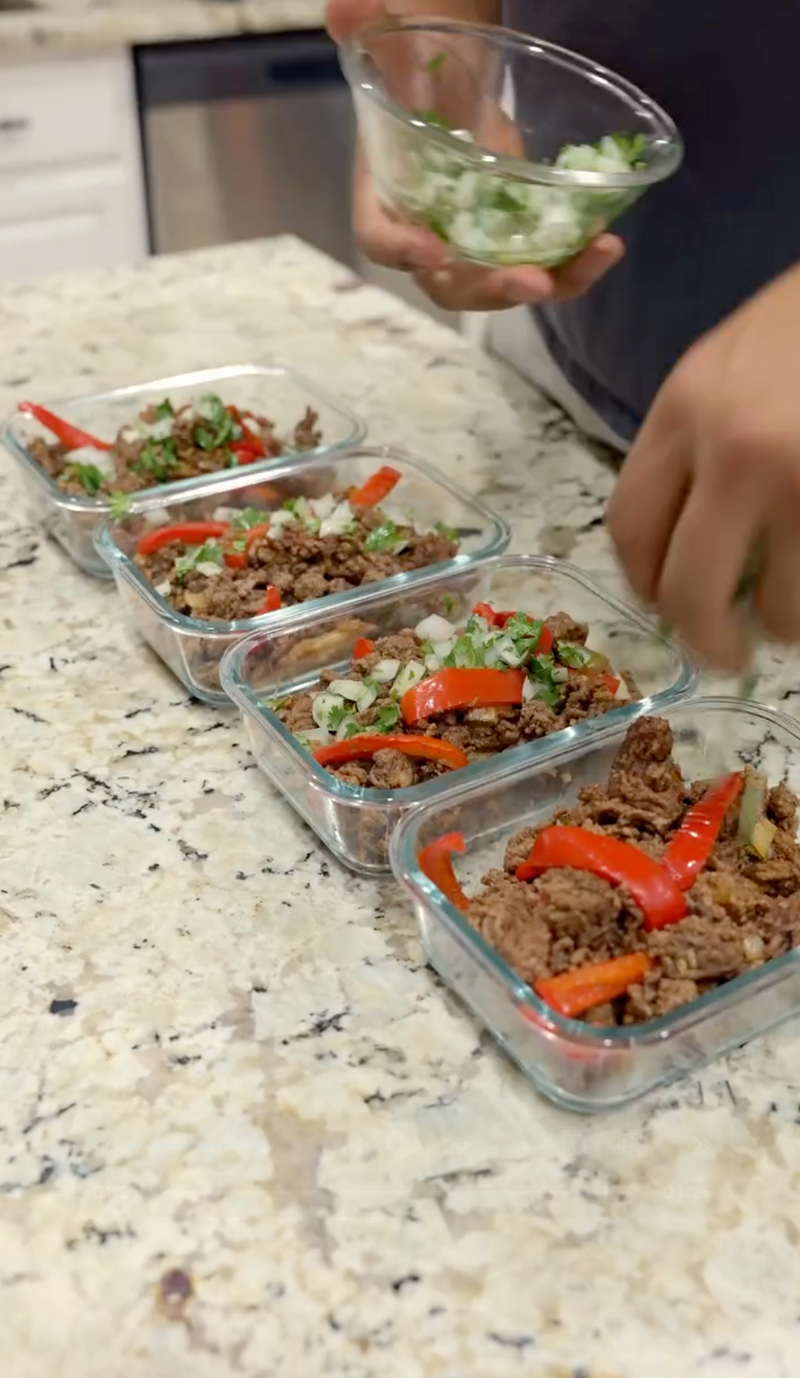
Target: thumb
<point x="344" y="17"/>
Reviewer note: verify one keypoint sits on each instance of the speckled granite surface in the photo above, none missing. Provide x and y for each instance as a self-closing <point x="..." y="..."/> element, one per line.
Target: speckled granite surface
<point x="81" y="24"/>
<point x="221" y="1054"/>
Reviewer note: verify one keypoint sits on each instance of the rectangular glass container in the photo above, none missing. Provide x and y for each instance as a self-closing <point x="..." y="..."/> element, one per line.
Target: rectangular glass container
<point x="72" y="518"/>
<point x="582" y="1067"/>
<point x="356" y="823"/>
<point x="193" y="648"/>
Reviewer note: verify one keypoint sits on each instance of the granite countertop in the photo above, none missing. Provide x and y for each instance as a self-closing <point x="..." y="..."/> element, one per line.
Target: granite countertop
<point x="222" y="1054"/>
<point x="82" y="24"/>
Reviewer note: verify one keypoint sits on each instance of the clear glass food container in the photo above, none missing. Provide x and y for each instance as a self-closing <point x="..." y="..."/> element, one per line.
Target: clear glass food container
<point x="581" y="1067"/>
<point x="464" y="126"/>
<point x="356" y="823"/>
<point x="72" y="518"/>
<point x="192" y="648"/>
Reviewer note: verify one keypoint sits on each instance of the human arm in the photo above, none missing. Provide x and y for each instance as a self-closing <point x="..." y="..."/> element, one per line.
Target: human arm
<point x="714" y="475"/>
<point x="453" y="285"/>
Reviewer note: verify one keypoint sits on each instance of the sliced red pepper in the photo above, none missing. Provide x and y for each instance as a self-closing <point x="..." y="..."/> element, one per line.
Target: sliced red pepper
<point x="545" y="644"/>
<point x="621" y="863"/>
<point x="377" y="487"/>
<point x="436" y="862"/>
<point x="70" y="436"/>
<point x="692" y="844"/>
<point x="273" y="599"/>
<point x="574" y="992"/>
<point x="244" y="453"/>
<point x="191" y="533"/>
<point x="240" y="559"/>
<point x="363" y="647"/>
<point x="487" y="612"/>
<point x="465" y="688"/>
<point x="359" y="748"/>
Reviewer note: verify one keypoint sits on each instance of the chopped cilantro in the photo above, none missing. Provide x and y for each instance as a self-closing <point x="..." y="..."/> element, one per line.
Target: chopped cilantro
<point x="442" y="529"/>
<point x="164" y="410"/>
<point x="157" y="458"/>
<point x="88" y="476"/>
<point x="436" y="63"/>
<point x="387" y="719"/>
<point x="384" y="537"/>
<point x="353" y="729"/>
<point x="120" y="505"/>
<point x="631" y="146"/>
<point x="448" y="603"/>
<point x="336" y="716"/>
<point x="208" y="554"/>
<point x="249" y="516"/>
<point x="220" y="426"/>
<point x="277" y="704"/>
<point x="570" y="653"/>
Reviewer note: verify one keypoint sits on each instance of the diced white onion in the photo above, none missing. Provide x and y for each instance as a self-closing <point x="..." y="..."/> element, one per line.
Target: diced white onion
<point x="209" y="569"/>
<point x="251" y="424"/>
<point x="433" y="664"/>
<point x="163" y="589"/>
<point x="347" y="688"/>
<point x="435" y="628"/>
<point x="224" y="514"/>
<point x="89" y="454"/>
<point x="322" y="507"/>
<point x="279" y="520"/>
<point x="442" y="649"/>
<point x="322" y="707"/>
<point x="410" y="675"/>
<point x="159" y="516"/>
<point x="385" y="671"/>
<point x="560" y="674"/>
<point x="528" y="690"/>
<point x="158" y="430"/>
<point x="366" y="698"/>
<point x="338" y="521"/>
<point x="129" y="434"/>
<point x="319" y="736"/>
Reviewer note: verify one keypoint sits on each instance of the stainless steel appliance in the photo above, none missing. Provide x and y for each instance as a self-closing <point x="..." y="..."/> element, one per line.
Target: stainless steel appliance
<point x="244" y="138"/>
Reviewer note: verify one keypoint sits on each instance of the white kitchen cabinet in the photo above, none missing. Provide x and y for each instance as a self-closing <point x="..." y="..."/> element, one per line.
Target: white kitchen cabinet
<point x="71" y="185"/>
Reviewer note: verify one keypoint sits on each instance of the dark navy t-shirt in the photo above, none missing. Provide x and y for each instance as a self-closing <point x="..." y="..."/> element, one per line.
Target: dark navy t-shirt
<point x="729" y="221"/>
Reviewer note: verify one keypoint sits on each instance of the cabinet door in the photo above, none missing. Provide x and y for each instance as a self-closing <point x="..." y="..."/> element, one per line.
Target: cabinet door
<point x="58" y="231"/>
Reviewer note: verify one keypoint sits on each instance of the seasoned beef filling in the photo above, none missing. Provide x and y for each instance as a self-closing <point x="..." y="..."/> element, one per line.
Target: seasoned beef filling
<point x="298" y="563"/>
<point x="166" y="446"/>
<point x="479" y="731"/>
<point x="743" y="909"/>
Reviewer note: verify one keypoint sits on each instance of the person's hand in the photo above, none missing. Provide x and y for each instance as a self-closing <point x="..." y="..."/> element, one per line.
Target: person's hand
<point x="714" y="476"/>
<point x="392" y="242"/>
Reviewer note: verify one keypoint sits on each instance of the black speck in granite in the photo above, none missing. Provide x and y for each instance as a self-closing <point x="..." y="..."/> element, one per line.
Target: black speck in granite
<point x="63" y="1007"/>
<point x="512" y="1341"/>
<point x="191" y="853"/>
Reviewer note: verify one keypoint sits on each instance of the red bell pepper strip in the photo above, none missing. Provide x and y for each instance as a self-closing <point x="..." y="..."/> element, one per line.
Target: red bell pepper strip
<point x="70" y="436"/>
<point x="609" y="682"/>
<point x="244" y="453"/>
<point x="692" y="844"/>
<point x="359" y="748"/>
<point x="461" y="689"/>
<point x="435" y="862"/>
<point x="575" y="992"/>
<point x="363" y="647"/>
<point x="191" y="533"/>
<point x="487" y="612"/>
<point x="377" y="487"/>
<point x="650" y="884"/>
<point x="273" y="600"/>
<point x="240" y="559"/>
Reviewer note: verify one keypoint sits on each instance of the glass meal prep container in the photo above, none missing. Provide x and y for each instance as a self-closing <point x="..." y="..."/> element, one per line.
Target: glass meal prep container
<point x="582" y="1067"/>
<point x="276" y="392"/>
<point x="356" y="823"/>
<point x="193" y="648"/>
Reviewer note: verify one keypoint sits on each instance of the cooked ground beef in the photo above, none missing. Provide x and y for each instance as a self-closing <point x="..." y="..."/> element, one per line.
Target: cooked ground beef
<point x="743" y="910"/>
<point x="479" y="732"/>
<point x="299" y="564"/>
<point x="139" y="461"/>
